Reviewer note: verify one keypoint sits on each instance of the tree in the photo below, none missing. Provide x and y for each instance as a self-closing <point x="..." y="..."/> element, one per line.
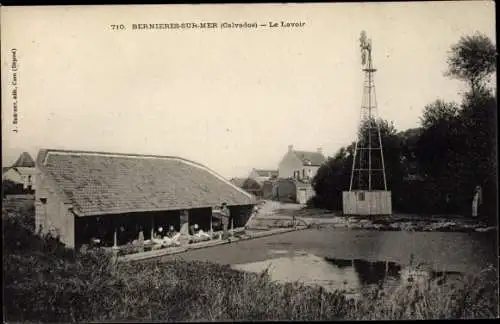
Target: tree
<point x="10" y="187"/>
<point x="390" y="149"/>
<point x="472" y="59"/>
<point x="331" y="179"/>
<point x="334" y="176"/>
<point x="479" y="114"/>
<point x="457" y="148"/>
<point x="437" y="112"/>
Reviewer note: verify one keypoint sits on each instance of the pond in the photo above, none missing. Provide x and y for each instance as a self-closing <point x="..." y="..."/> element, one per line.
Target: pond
<point x="350" y="259"/>
<point x="350" y="276"/>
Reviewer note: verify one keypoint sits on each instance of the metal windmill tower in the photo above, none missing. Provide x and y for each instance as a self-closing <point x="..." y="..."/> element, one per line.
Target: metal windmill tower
<point x="368" y="169"/>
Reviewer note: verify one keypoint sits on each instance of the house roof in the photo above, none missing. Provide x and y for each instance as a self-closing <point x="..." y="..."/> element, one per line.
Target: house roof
<point x="310" y="158"/>
<point x="266" y="173"/>
<point x="98" y="183"/>
<point x="24" y="161"/>
<point x="5" y="170"/>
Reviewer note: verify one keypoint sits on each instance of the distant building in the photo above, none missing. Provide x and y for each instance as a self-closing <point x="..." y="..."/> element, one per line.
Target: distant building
<point x="110" y="196"/>
<point x="285" y="190"/>
<point x="304" y="192"/>
<point x="260" y="175"/>
<point x="269" y="189"/>
<point x="22" y="172"/>
<point x="291" y="191"/>
<point x="300" y="165"/>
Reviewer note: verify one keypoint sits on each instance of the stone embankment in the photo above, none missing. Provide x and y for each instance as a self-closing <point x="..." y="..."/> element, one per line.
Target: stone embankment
<point x="402" y="225"/>
<point x="274" y="214"/>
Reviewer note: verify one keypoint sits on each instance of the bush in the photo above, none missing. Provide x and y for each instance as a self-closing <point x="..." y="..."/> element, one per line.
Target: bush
<point x="46" y="284"/>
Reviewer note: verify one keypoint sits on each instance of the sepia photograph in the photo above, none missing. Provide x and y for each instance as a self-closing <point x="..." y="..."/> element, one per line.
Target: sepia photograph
<point x="249" y="162"/>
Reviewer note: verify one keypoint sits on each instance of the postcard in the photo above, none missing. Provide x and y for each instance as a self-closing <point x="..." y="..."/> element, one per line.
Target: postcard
<point x="236" y="162"/>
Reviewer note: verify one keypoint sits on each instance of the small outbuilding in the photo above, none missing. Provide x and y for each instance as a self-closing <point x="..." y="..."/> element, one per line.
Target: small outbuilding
<point x="305" y="192"/>
<point x="367" y="203"/>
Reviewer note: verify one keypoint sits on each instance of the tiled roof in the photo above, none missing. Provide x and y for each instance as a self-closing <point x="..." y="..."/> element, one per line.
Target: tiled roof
<point x="310" y="158"/>
<point x="266" y="173"/>
<point x="107" y="183"/>
<point x="24" y="161"/>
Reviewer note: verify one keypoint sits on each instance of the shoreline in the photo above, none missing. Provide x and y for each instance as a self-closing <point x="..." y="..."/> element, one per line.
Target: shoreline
<point x="427" y="225"/>
<point x="273" y="214"/>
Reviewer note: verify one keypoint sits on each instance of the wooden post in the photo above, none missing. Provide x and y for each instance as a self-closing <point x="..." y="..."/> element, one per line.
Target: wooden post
<point x="115" y="239"/>
<point x="211" y="227"/>
<point x="184" y="221"/>
<point x="232" y="228"/>
<point x="152" y="226"/>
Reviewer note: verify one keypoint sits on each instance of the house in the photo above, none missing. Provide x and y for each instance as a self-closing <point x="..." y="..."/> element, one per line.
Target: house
<point x="269" y="189"/>
<point x="12" y="174"/>
<point x="300" y="165"/>
<point x="255" y="181"/>
<point x="112" y="196"/>
<point x="290" y="191"/>
<point x="22" y="172"/>
<point x="285" y="190"/>
<point x="298" y="168"/>
<point x="304" y="192"/>
<point x="260" y="175"/>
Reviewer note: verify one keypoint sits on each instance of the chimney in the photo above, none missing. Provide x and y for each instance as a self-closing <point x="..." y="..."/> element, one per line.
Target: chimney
<point x="320" y="150"/>
<point x="290" y="148"/>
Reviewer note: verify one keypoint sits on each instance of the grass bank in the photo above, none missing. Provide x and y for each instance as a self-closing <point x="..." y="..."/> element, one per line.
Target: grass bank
<point x="44" y="283"/>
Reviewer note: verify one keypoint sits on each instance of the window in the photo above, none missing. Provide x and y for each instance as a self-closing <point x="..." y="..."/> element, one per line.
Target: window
<point x="303" y="173"/>
<point x="361" y="196"/>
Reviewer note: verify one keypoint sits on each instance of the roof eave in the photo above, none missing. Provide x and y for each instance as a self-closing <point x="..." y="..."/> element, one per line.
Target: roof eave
<point x="130" y="211"/>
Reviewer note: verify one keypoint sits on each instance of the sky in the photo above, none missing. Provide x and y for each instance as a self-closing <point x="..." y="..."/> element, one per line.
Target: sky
<point x="232" y="99"/>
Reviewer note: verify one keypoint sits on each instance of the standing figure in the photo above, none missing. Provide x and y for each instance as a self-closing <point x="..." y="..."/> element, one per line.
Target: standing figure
<point x="171" y="231"/>
<point x="226" y="218"/>
<point x="476" y="201"/>
<point x="184" y="227"/>
<point x="160" y="233"/>
<point x="140" y="239"/>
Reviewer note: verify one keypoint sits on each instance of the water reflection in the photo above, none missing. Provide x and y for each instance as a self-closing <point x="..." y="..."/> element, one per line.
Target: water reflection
<point x="341" y="274"/>
<point x="369" y="273"/>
